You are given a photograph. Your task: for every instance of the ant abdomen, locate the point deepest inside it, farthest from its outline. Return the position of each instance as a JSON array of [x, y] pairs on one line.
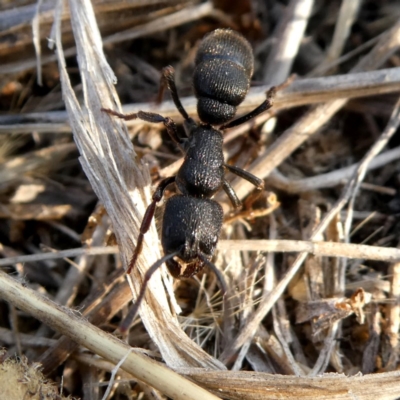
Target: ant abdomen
[[224, 67]]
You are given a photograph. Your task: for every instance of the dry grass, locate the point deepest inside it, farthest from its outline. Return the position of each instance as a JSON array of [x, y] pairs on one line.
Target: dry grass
[[312, 265]]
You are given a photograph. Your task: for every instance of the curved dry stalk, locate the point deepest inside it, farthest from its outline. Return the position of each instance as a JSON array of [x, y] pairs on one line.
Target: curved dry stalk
[[108, 159], [108, 346]]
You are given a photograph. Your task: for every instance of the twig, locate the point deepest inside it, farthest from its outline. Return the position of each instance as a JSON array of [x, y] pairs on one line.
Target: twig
[[327, 249], [114, 373], [300, 92], [347, 15], [330, 179], [160, 24], [378, 146], [253, 385], [393, 313], [280, 328], [288, 36], [59, 254], [180, 17]]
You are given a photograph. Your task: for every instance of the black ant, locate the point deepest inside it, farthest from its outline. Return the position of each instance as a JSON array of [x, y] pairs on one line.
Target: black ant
[[192, 221]]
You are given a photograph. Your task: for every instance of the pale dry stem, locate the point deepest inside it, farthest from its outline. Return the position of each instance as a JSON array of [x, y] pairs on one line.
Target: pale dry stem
[[347, 15], [318, 248], [108, 159], [300, 92], [288, 36]]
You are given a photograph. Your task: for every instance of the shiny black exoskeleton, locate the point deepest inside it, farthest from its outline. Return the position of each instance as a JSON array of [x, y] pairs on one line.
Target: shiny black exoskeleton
[[192, 220], [202, 171], [221, 80], [192, 225]]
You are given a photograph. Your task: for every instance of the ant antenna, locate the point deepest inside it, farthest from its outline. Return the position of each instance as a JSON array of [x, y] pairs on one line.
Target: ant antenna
[[127, 322]]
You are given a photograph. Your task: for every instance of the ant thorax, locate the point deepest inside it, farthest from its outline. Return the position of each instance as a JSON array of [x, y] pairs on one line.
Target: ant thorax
[[202, 171]]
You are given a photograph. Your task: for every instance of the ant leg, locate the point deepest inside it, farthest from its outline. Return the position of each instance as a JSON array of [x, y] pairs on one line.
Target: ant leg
[[126, 117], [126, 323], [168, 79], [228, 189], [224, 290], [264, 106], [257, 182], [153, 118], [148, 216]]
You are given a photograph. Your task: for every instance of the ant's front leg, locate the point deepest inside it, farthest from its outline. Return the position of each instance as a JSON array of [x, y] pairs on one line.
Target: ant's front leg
[[228, 189], [153, 118], [257, 182], [148, 216]]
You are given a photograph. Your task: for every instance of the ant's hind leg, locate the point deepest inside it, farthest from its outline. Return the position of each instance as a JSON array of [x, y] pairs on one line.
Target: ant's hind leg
[[168, 80], [148, 216], [264, 106]]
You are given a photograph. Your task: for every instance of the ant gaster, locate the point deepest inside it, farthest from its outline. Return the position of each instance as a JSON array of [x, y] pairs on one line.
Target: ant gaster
[[192, 221]]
